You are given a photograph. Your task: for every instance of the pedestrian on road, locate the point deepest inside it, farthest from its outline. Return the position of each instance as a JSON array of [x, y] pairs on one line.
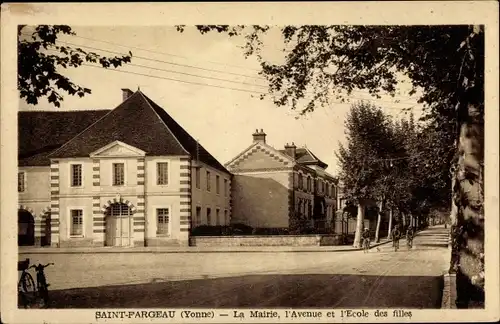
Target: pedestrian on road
[[396, 235], [409, 236], [366, 240]]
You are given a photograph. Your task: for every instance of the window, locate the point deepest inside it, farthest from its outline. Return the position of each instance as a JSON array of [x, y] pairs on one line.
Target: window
[[162, 173], [76, 175], [197, 178], [162, 221], [226, 189], [308, 183], [322, 186], [21, 181], [209, 216], [198, 215], [208, 180], [217, 219], [301, 181], [217, 184], [76, 228], [327, 189], [119, 210], [226, 217], [118, 174]]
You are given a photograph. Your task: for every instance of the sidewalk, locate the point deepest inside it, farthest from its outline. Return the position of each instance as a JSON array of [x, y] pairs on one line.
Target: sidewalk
[[193, 249]]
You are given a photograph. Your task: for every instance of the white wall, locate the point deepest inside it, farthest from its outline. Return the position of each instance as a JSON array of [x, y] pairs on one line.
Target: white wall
[[65, 205], [210, 199], [37, 189], [170, 202], [261, 199], [174, 171], [106, 175]]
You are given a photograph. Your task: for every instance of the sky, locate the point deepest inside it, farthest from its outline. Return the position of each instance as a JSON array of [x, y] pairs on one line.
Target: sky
[[194, 78]]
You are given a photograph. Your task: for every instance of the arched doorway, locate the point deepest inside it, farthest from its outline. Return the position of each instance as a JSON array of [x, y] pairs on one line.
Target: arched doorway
[[25, 228], [119, 229]]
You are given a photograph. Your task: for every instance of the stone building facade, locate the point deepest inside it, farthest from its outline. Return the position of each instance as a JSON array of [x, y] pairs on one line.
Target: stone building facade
[[273, 188], [130, 176]]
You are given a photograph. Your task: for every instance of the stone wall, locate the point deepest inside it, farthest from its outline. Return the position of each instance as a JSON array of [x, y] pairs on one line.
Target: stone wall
[[265, 240]]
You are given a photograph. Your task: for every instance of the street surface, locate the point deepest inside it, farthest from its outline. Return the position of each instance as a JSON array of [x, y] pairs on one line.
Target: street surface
[[380, 278]]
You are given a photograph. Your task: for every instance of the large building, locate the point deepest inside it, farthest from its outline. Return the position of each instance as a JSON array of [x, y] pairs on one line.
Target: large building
[[130, 176], [274, 188]]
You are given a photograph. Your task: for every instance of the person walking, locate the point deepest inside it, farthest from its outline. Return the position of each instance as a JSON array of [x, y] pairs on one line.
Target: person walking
[[396, 235], [366, 240], [409, 236]]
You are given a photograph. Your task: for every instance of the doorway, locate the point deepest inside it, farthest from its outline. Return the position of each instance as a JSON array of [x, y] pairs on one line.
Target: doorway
[[25, 228], [119, 225]]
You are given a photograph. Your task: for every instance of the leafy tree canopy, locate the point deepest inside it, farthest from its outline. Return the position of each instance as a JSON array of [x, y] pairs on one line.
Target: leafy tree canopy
[[360, 160], [40, 60], [335, 60]]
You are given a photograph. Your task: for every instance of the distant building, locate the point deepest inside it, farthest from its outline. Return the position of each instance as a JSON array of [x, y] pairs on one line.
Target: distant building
[[273, 188], [130, 176]]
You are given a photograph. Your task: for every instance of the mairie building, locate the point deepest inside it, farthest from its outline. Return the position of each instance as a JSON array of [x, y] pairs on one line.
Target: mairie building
[[130, 176]]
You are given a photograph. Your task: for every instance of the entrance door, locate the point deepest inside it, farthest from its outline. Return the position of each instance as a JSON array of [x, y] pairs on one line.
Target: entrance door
[[118, 223], [25, 228]]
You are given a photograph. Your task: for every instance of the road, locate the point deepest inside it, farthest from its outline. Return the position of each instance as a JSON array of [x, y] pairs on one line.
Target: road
[[380, 278]]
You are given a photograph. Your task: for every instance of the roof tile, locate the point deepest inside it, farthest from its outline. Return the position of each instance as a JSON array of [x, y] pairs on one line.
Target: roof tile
[[41, 132], [139, 122]]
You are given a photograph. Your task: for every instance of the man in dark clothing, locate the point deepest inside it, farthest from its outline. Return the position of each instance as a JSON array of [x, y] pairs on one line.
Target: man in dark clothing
[[366, 239], [396, 235], [409, 235]]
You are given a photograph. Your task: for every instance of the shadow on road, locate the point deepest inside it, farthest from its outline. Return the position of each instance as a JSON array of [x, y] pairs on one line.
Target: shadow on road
[[273, 291]]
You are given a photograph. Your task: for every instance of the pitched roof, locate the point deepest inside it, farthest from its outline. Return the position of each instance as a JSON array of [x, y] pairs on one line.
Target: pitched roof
[[41, 132], [139, 122], [187, 141], [306, 157], [259, 146]]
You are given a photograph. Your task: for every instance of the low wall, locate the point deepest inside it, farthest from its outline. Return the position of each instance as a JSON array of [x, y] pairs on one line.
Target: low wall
[[265, 240]]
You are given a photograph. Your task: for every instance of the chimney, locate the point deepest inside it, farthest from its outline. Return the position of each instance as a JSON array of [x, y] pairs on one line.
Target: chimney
[[126, 93], [259, 136], [291, 150]]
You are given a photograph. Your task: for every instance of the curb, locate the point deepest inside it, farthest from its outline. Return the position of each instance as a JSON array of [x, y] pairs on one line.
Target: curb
[[183, 250], [317, 249]]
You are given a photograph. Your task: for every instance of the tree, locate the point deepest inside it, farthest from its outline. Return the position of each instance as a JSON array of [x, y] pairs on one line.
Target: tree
[[445, 62], [40, 59], [359, 160]]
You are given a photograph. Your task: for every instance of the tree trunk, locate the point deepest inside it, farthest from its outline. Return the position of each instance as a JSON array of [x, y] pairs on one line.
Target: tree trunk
[[390, 224], [379, 219], [359, 224], [403, 219], [467, 181], [467, 213]]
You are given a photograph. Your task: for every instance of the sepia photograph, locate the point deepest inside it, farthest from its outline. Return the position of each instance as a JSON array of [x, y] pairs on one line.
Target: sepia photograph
[[292, 172]]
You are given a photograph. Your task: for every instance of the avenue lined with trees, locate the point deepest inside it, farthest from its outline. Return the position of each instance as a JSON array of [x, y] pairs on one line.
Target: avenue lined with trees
[[446, 63], [402, 164]]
